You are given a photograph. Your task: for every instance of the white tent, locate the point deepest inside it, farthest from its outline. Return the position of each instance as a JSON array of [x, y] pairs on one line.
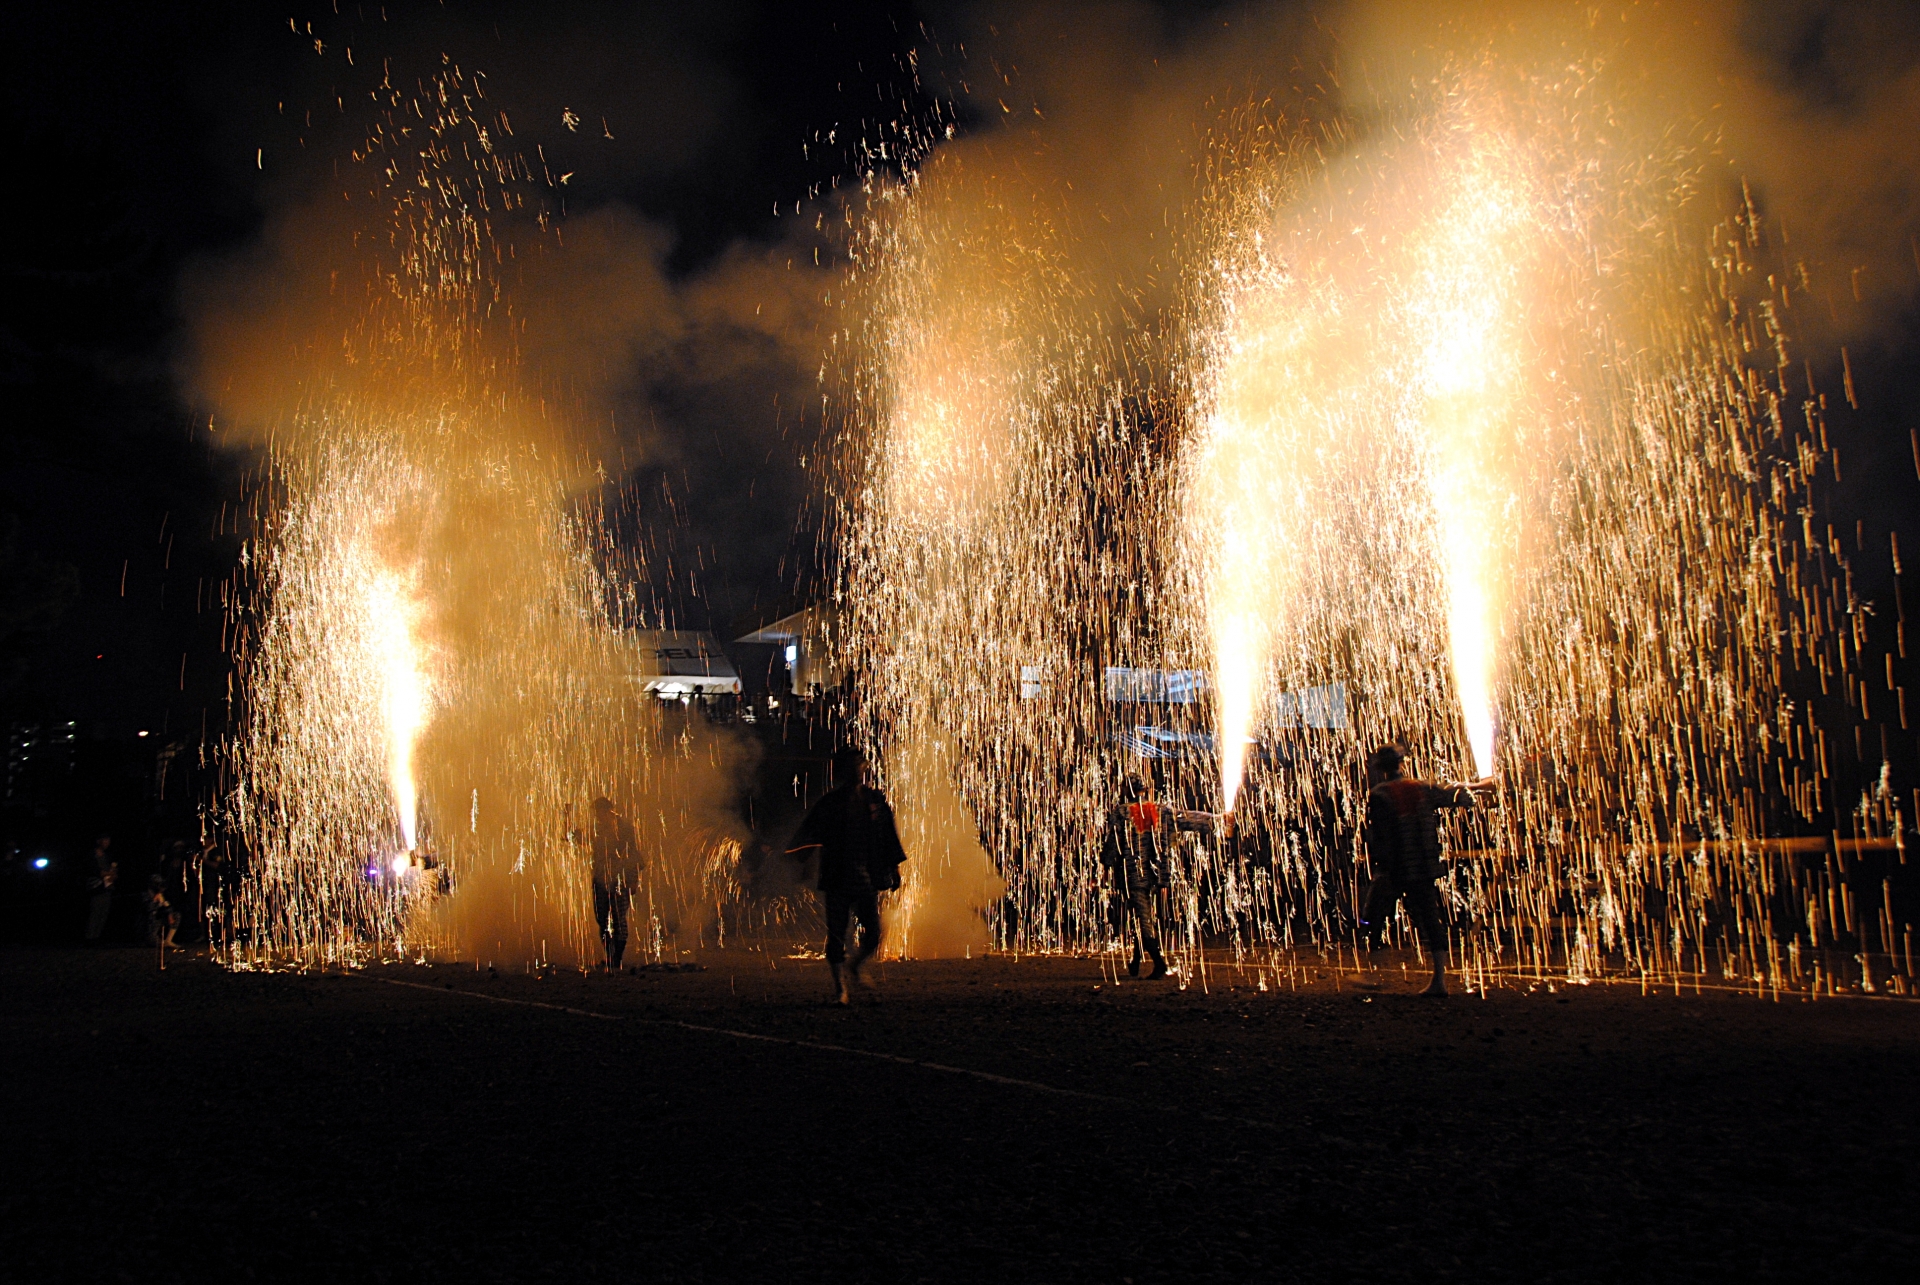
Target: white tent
[[677, 663]]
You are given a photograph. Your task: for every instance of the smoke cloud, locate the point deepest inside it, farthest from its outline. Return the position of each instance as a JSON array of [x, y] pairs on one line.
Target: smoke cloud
[[674, 383], [446, 395], [1810, 104], [695, 387], [949, 882]]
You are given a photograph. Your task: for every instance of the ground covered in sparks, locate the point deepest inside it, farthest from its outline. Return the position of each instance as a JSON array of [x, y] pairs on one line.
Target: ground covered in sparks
[[202, 1125]]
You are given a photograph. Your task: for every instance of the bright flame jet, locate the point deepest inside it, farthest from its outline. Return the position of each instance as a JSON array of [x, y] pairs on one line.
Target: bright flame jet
[[1463, 314], [1254, 483], [405, 695]]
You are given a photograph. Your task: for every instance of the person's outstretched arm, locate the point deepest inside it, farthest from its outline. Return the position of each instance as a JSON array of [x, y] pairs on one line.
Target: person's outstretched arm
[[1459, 796]]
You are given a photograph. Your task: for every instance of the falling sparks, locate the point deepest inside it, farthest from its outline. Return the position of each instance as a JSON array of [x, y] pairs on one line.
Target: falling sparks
[[1476, 440], [1479, 428], [428, 629]]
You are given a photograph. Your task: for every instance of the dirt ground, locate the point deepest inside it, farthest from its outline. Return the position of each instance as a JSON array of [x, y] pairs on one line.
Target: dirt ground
[[995, 1119]]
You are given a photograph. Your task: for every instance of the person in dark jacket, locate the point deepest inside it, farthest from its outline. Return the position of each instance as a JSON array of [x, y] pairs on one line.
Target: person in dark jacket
[[853, 830], [1403, 840], [616, 866]]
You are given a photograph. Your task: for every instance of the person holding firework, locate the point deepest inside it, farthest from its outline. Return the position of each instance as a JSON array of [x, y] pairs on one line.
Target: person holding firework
[[1403, 840]]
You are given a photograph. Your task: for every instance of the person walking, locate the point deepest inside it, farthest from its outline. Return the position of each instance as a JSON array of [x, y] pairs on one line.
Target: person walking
[[1403, 841], [852, 828], [616, 867], [106, 873]]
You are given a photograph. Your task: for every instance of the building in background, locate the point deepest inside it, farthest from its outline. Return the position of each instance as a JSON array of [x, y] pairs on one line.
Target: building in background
[[803, 639]]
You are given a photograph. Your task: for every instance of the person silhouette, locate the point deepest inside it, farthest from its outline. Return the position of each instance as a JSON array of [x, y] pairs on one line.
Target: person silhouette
[[1403, 840]]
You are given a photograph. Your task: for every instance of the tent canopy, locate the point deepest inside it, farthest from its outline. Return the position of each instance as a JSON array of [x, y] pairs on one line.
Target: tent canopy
[[684, 662]]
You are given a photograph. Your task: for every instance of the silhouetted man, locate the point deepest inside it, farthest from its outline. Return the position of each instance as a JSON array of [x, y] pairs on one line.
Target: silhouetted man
[[616, 863], [860, 858], [1403, 839], [163, 918], [106, 873], [1134, 858]]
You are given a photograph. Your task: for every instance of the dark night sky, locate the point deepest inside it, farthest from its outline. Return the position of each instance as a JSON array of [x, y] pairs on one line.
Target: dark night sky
[[150, 142]]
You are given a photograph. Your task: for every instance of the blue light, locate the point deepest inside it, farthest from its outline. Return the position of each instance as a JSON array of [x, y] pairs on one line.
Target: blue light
[[39, 863]]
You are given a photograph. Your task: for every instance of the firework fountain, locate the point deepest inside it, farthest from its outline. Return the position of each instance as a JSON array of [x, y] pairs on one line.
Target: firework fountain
[[1484, 414], [967, 411], [437, 683]]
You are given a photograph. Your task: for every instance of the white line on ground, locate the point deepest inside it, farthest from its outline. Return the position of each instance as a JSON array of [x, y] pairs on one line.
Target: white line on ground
[[819, 1046]]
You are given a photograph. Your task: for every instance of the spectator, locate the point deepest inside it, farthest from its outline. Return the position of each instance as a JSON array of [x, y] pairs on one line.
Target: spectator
[[616, 865], [106, 873], [163, 919]]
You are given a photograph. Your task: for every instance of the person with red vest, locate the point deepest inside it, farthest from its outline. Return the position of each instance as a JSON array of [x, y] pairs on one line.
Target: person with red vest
[[1403, 841], [1135, 853]]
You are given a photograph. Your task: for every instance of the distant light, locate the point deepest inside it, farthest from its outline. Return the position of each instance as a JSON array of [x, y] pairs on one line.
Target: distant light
[[141, 732], [793, 653], [400, 864], [39, 863]]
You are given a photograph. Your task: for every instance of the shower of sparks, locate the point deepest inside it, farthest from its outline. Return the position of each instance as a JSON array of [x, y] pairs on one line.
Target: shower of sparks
[[437, 681], [1463, 314], [1486, 414], [1478, 428], [968, 538]]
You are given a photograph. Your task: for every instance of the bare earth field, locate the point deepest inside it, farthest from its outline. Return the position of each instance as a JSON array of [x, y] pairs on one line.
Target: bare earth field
[[1026, 1120]]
